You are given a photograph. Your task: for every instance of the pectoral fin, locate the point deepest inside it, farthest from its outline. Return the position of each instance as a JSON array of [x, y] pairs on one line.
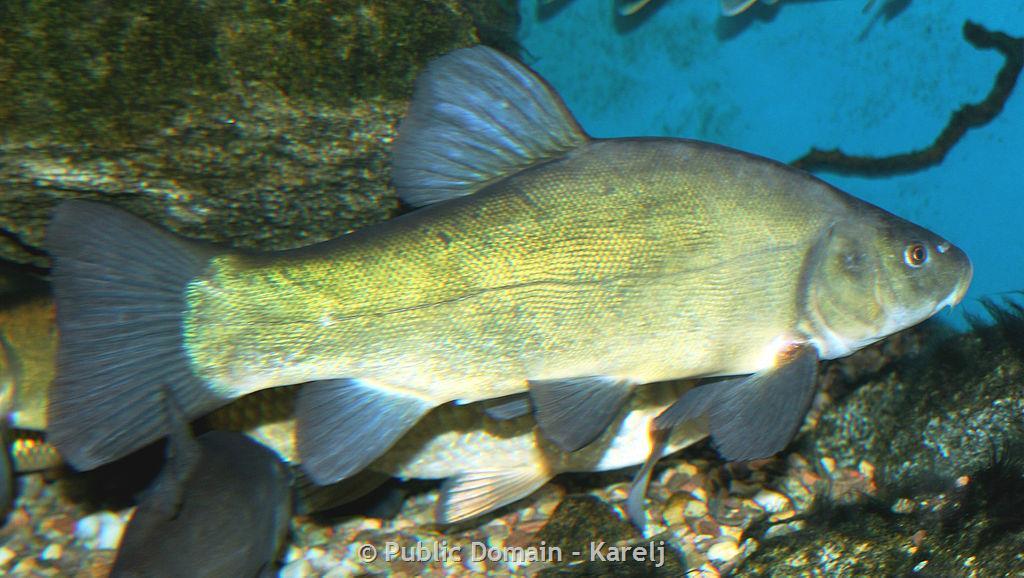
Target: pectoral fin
[[344, 424], [508, 407], [574, 412], [472, 494], [756, 416]]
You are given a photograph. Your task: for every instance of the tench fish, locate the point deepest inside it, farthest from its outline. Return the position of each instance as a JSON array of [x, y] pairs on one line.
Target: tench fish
[[488, 463], [547, 262]]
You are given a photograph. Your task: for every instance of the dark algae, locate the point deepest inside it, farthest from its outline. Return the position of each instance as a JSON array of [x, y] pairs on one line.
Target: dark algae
[[964, 119]]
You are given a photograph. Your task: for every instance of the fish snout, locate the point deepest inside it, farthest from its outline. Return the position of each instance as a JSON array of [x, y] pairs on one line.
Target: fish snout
[[960, 264]]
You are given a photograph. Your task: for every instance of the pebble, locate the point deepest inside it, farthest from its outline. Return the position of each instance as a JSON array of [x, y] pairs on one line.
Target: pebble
[[735, 532], [705, 571], [695, 509], [100, 531], [783, 529], [474, 565], [772, 502], [6, 555], [699, 493], [52, 552], [673, 514], [903, 506], [294, 553], [25, 566], [338, 572], [723, 551], [867, 469], [785, 515], [618, 493], [297, 569]]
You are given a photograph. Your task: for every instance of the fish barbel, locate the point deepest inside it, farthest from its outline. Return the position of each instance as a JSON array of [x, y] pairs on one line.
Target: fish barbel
[[547, 263]]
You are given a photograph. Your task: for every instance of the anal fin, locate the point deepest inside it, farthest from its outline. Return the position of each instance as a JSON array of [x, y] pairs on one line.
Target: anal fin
[[574, 412], [472, 494], [344, 424]]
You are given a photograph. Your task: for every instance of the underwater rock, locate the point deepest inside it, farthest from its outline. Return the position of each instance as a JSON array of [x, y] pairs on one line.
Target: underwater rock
[[262, 125]]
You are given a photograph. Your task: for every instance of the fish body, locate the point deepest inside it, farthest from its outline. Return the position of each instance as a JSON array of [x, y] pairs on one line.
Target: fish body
[[549, 263]]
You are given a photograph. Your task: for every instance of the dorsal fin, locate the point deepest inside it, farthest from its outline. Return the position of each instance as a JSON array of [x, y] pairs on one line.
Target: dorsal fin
[[477, 116]]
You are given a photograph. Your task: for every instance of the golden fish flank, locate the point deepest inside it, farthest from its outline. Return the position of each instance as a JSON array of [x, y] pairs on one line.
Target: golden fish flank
[[488, 463], [551, 263]]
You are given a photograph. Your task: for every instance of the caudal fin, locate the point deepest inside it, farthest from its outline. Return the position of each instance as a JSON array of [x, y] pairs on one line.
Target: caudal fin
[[119, 284]]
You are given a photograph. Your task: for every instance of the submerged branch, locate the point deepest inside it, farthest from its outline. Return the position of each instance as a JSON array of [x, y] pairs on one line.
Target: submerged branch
[[967, 117]]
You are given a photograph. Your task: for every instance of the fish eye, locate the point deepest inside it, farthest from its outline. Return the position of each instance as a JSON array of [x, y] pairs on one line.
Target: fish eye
[[915, 255]]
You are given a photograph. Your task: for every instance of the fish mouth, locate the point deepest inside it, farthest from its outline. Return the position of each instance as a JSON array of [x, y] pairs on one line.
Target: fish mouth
[[961, 289]]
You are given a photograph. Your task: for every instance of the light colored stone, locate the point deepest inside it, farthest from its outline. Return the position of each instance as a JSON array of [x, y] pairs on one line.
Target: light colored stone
[[6, 555], [772, 502], [695, 509], [297, 569], [903, 506], [101, 531], [52, 552], [723, 551]]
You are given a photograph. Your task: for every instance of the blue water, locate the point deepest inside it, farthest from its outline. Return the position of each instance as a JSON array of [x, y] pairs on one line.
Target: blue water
[[781, 79]]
